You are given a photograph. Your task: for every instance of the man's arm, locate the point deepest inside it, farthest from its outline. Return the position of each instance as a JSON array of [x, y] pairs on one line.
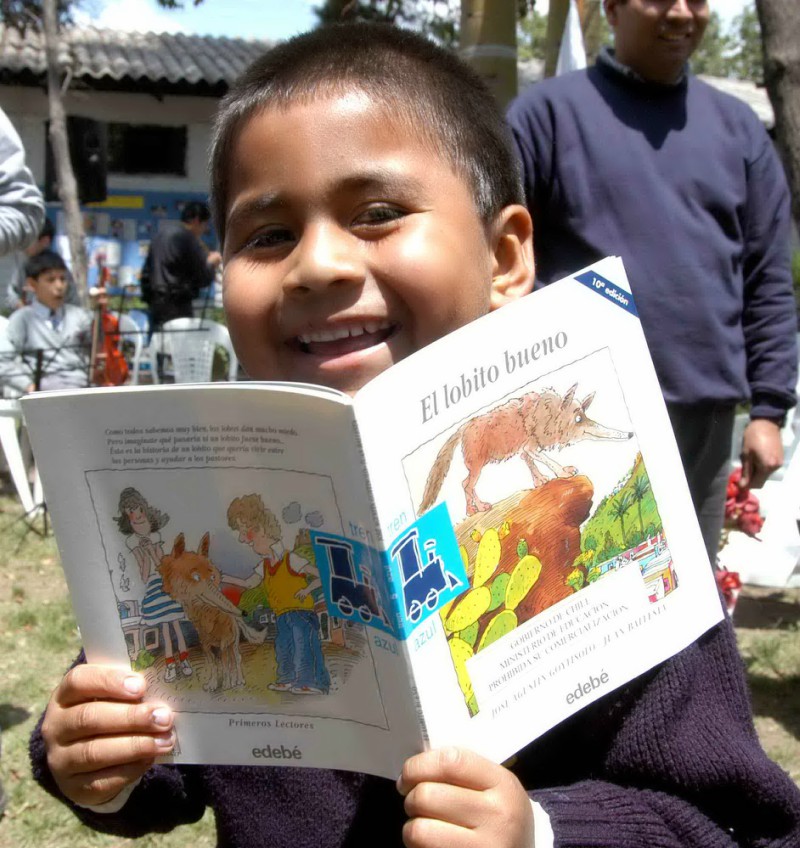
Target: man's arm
[[300, 565], [15, 374], [21, 202], [191, 262], [769, 315]]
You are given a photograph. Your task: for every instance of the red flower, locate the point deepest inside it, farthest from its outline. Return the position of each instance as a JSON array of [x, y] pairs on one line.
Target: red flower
[[729, 585], [742, 509]]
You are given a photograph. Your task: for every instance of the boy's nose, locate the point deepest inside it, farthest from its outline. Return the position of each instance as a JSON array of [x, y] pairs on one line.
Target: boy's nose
[[326, 254], [679, 9]]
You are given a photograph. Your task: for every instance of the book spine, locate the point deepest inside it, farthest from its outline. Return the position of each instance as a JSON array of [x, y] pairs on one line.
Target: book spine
[[362, 458], [423, 726], [397, 612]]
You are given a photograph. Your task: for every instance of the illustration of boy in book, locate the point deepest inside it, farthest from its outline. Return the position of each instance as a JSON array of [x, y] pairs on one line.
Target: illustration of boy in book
[[288, 581], [140, 523]]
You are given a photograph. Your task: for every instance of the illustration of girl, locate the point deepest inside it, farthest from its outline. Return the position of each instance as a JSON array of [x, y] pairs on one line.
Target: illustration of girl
[[139, 523]]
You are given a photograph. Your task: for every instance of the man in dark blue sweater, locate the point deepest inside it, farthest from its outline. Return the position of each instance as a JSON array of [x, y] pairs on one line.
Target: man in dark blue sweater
[[636, 157]]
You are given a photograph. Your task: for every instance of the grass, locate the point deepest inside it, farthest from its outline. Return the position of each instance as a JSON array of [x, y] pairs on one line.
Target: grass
[[38, 640], [767, 626]]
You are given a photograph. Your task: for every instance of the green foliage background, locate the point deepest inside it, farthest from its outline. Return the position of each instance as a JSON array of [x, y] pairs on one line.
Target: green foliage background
[[603, 532]]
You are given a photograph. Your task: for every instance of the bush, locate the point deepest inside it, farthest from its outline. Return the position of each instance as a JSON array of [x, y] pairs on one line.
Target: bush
[[144, 659]]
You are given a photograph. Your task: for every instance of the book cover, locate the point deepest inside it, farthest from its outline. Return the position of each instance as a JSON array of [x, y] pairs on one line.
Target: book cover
[[490, 535]]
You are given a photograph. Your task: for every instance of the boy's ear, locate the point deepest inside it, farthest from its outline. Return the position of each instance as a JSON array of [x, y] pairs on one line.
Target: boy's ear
[[512, 245], [610, 8]]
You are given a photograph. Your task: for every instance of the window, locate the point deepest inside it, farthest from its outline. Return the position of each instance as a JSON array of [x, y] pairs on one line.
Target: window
[[146, 149]]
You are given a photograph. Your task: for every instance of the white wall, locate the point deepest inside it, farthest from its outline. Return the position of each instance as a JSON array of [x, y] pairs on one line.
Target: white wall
[[27, 109]]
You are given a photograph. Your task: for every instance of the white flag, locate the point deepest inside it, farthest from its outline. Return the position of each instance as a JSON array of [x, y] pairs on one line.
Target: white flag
[[571, 54]]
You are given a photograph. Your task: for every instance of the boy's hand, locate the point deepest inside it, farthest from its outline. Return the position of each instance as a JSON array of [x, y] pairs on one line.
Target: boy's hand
[[459, 799], [99, 735]]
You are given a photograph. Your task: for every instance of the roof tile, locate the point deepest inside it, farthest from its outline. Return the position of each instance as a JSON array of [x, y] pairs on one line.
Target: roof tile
[[95, 53]]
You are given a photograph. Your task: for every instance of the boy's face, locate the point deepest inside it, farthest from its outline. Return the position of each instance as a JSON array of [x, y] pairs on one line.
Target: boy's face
[[349, 245], [50, 288], [256, 538]]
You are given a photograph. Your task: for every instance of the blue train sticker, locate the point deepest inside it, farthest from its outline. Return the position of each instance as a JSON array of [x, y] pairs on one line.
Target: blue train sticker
[[397, 589]]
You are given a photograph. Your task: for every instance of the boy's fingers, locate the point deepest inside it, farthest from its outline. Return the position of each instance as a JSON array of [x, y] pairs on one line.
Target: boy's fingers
[[108, 752], [107, 718], [84, 682], [94, 788], [425, 833], [453, 804], [456, 766]]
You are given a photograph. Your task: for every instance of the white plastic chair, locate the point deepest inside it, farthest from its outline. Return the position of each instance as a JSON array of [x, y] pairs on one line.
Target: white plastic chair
[[190, 343], [10, 425], [131, 333]]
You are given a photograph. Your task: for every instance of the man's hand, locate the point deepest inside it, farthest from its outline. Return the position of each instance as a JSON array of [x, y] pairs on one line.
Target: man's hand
[[762, 452], [457, 798]]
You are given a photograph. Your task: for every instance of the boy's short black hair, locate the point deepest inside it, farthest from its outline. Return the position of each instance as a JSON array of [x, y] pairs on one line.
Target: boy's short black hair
[[45, 260], [426, 86], [195, 210], [48, 230]]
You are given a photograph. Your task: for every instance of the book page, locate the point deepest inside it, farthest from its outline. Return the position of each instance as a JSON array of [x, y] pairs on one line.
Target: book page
[[543, 429], [184, 517]]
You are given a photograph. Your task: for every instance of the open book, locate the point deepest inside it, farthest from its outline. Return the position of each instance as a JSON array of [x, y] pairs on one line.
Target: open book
[[492, 534]]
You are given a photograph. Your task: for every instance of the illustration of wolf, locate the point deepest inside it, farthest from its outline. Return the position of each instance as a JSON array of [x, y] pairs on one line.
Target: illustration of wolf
[[527, 426], [193, 580]]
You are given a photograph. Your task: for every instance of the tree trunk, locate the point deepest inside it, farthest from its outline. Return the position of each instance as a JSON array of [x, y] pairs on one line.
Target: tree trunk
[[59, 140], [780, 34], [593, 29], [556, 21], [489, 44]]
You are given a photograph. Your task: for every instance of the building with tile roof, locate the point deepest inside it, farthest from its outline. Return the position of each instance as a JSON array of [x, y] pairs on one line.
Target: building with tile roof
[[156, 94]]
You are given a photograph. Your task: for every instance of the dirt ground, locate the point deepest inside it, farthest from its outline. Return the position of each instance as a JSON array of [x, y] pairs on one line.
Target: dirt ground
[[767, 622]]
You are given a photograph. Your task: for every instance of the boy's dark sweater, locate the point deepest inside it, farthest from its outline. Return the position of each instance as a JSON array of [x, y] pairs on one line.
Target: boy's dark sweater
[[669, 761], [682, 182]]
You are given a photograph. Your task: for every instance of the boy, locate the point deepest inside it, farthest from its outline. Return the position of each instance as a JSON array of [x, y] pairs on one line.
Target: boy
[[18, 293], [288, 580], [367, 201], [60, 330]]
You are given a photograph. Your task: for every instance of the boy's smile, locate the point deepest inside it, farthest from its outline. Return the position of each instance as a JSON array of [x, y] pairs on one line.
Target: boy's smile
[[350, 243]]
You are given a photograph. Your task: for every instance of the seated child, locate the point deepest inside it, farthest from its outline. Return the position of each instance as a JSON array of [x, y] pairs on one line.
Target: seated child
[[60, 330], [18, 294], [368, 203]]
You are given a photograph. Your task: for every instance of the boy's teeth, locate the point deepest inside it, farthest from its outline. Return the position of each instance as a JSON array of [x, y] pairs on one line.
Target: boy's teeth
[[336, 333]]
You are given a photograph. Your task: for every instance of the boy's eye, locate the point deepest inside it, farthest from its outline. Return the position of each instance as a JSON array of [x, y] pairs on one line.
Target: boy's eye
[[379, 214], [270, 239]]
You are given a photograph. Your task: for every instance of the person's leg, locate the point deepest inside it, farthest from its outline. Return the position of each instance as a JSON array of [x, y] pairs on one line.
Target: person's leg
[[322, 679], [303, 661], [284, 677], [183, 652], [703, 434], [171, 672], [310, 663]]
